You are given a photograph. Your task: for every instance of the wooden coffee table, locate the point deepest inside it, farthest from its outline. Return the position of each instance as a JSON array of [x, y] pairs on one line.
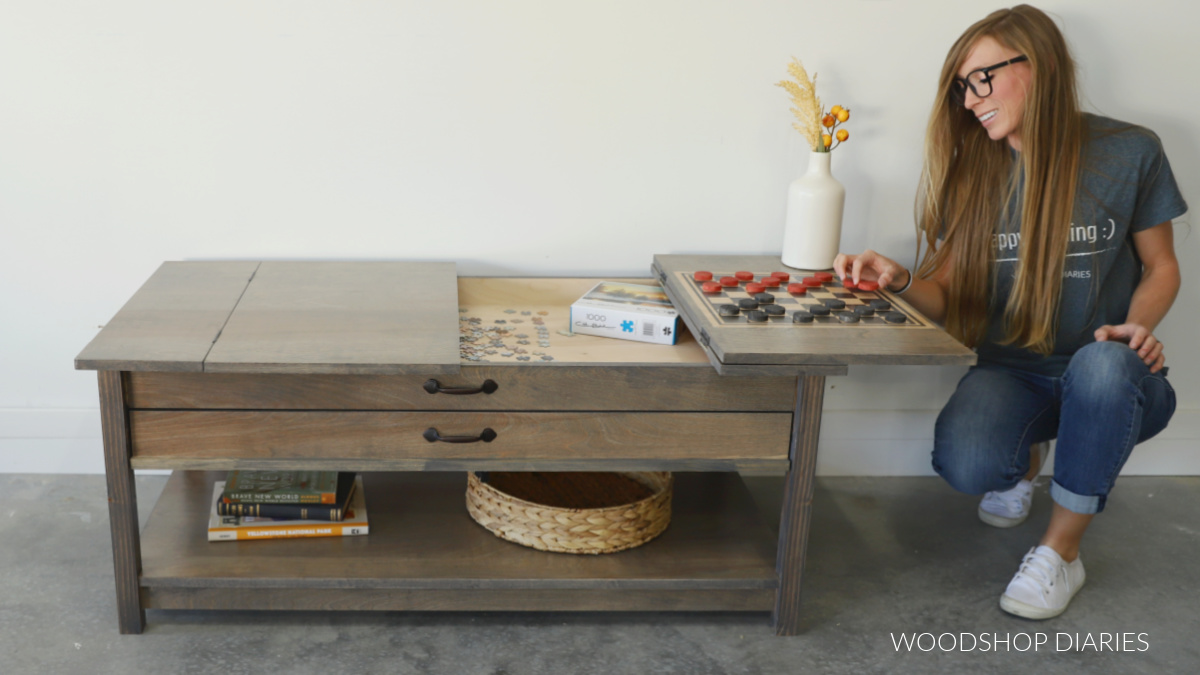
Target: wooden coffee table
[[214, 366]]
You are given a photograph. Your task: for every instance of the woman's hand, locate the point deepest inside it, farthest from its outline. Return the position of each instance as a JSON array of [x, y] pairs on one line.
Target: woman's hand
[[1139, 338], [870, 266]]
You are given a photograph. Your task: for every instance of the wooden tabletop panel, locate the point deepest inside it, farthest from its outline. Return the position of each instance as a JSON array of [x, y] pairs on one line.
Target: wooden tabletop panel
[[343, 318], [916, 343], [387, 318], [153, 332]]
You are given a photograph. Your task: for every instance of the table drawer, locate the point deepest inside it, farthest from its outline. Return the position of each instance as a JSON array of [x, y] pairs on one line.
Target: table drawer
[[678, 388], [197, 438]]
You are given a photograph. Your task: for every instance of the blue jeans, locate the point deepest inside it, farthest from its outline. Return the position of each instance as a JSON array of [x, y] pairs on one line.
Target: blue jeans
[[1105, 403]]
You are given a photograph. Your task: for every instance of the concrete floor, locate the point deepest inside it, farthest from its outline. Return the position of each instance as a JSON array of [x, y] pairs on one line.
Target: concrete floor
[[888, 556]]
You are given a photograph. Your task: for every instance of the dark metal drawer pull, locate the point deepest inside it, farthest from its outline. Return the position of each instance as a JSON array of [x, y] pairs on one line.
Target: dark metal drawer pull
[[432, 435], [435, 387]]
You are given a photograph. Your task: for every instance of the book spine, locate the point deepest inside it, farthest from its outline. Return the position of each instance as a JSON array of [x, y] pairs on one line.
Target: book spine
[[288, 532], [278, 498], [281, 511]]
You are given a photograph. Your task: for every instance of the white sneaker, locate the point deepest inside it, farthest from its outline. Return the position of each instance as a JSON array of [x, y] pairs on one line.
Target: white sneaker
[[1044, 585], [1008, 508]]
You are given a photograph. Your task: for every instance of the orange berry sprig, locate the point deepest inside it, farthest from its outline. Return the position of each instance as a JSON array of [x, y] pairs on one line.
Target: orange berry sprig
[[836, 116]]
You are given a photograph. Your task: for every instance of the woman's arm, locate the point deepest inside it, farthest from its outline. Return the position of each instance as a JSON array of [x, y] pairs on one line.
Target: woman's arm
[[927, 296], [1153, 296]]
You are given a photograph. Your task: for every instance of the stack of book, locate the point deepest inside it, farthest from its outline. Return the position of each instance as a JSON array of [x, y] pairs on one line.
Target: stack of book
[[287, 504]]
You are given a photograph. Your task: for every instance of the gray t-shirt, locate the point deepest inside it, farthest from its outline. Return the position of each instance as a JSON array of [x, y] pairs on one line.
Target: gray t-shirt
[[1126, 186]]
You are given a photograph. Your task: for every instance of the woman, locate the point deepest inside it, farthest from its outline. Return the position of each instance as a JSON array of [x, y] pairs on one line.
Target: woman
[[1049, 249]]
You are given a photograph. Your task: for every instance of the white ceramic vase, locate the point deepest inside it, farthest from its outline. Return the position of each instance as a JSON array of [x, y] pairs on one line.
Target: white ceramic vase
[[813, 231]]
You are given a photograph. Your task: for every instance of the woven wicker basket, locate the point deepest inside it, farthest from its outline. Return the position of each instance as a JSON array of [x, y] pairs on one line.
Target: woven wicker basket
[[548, 527]]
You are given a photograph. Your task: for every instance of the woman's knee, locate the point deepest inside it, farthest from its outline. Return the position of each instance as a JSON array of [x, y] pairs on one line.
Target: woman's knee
[[967, 462], [1107, 361], [981, 429], [1105, 381], [961, 476], [1101, 369]]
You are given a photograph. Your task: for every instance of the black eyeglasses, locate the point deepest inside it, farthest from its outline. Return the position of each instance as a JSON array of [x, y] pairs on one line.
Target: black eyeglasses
[[979, 80]]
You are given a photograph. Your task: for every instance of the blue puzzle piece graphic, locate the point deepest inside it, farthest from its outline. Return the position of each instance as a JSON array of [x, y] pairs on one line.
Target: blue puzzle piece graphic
[[627, 326]]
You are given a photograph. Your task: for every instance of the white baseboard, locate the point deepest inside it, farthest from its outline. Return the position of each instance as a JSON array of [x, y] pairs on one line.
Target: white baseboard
[[853, 443]]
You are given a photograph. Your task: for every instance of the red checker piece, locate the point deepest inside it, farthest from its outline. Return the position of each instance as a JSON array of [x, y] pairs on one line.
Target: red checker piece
[[744, 276], [755, 288], [797, 289], [702, 276], [868, 285], [710, 287], [823, 277], [729, 281], [848, 284], [771, 282], [783, 277], [811, 282]]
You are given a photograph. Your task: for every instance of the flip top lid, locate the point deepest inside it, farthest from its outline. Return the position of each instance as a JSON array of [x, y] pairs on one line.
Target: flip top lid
[[171, 322], [287, 317], [737, 344]]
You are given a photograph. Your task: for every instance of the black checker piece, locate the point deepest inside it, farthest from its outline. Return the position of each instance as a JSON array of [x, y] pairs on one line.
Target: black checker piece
[[818, 310], [864, 310], [848, 317], [802, 317], [881, 305], [727, 310], [774, 310], [833, 303], [764, 298], [748, 303], [894, 317], [755, 316]]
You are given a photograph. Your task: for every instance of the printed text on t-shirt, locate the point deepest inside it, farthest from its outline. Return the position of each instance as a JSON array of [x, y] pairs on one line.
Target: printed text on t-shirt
[[1010, 241]]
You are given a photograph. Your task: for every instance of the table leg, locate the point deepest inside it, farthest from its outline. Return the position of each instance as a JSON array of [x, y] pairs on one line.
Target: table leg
[[797, 503], [122, 502]]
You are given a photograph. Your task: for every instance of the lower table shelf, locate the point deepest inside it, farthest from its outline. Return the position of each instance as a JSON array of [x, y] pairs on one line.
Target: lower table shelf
[[425, 553]]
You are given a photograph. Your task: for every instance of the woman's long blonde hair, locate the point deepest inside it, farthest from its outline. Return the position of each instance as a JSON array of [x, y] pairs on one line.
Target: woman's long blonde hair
[[969, 181]]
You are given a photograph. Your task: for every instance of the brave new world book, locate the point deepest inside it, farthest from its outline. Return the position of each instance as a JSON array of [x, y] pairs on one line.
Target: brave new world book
[[235, 528], [281, 487], [334, 510]]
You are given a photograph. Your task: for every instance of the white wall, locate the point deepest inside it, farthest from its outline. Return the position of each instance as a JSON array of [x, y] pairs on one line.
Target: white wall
[[526, 137]]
